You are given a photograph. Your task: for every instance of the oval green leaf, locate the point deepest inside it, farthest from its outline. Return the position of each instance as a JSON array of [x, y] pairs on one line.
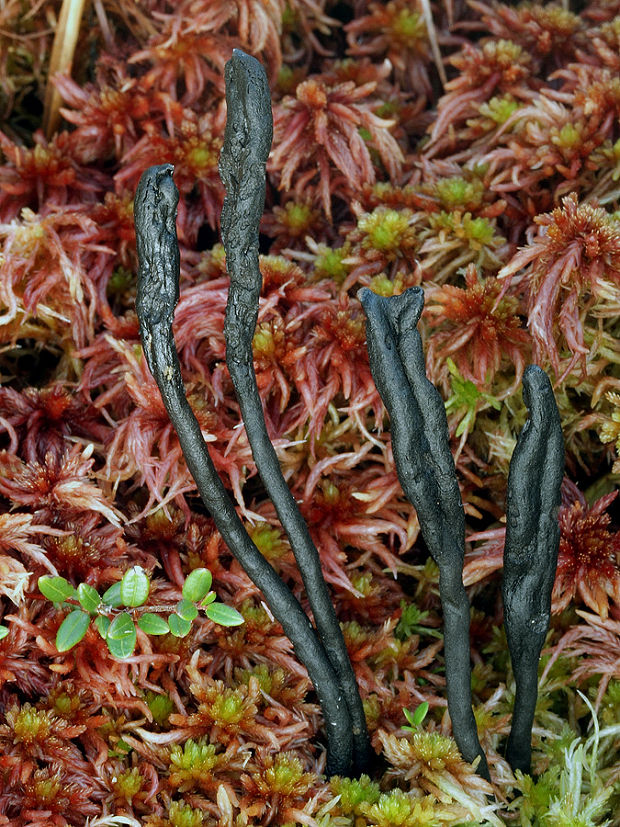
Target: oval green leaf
[[197, 584], [102, 624], [112, 596], [56, 589], [153, 624], [224, 615], [135, 587], [4, 630], [123, 647], [178, 626], [209, 598], [186, 610], [88, 597], [420, 714], [121, 627], [72, 630]]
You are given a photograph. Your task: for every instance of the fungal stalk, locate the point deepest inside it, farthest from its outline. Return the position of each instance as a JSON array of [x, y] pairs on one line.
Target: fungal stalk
[[158, 292], [426, 471], [531, 551], [247, 141]]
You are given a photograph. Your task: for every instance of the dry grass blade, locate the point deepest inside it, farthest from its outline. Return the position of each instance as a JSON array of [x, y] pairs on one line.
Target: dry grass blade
[[65, 41], [432, 36]]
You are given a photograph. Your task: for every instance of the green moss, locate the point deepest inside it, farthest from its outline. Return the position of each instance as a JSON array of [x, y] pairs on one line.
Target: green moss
[[499, 109], [270, 541], [568, 137], [400, 809], [161, 706], [266, 678], [120, 280], [385, 228], [128, 784], [363, 583], [329, 263], [256, 615], [229, 707], [31, 725], [353, 792], [458, 192], [285, 774], [190, 763], [382, 285], [409, 27], [182, 815], [412, 623]]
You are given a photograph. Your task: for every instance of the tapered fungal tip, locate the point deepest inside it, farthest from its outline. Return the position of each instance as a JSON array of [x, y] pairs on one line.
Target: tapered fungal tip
[[536, 386], [407, 307], [240, 60], [157, 174], [155, 190], [364, 295], [412, 297]]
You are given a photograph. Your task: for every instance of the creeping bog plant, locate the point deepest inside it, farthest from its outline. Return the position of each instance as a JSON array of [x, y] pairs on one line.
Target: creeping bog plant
[[124, 606]]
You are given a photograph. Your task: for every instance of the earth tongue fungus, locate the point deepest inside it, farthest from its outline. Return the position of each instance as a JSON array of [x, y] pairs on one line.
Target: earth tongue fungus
[[421, 449], [246, 147], [427, 474]]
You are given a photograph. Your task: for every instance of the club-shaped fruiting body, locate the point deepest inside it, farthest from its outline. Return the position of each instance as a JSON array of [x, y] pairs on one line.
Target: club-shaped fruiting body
[[242, 166], [531, 551], [427, 474]]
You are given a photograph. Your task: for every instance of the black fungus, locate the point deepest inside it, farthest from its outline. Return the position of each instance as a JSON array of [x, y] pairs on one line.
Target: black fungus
[[247, 142], [531, 551], [426, 471], [158, 291]]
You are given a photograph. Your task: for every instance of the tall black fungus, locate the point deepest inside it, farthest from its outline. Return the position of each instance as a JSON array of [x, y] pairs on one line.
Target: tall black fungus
[[247, 142], [420, 442], [531, 551], [158, 291], [427, 474]]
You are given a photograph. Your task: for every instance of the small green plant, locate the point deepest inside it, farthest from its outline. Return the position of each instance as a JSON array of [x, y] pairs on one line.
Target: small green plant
[[467, 398], [411, 623], [416, 718], [121, 608]]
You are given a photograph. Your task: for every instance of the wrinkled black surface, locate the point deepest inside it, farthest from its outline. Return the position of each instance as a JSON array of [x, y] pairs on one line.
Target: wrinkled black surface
[[531, 551], [427, 474], [158, 291], [155, 209], [242, 167]]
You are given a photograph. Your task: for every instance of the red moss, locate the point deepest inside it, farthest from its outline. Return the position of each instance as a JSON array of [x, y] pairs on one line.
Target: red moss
[[589, 559], [319, 129], [475, 330], [395, 31], [41, 420], [58, 485], [589, 556], [45, 176], [497, 67], [370, 182], [550, 33], [570, 267], [193, 147]]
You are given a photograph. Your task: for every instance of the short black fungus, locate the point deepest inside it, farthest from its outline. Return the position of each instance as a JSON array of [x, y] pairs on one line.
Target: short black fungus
[[426, 471], [531, 551]]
